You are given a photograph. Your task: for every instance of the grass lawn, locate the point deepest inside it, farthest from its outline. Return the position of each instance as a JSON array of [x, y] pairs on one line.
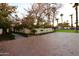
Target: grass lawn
[[71, 31]]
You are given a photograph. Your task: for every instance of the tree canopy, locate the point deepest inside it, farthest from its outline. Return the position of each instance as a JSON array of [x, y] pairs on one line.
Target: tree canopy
[[5, 11]]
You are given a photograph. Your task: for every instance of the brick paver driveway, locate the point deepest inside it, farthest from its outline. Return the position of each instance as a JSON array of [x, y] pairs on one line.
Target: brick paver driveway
[[43, 45]]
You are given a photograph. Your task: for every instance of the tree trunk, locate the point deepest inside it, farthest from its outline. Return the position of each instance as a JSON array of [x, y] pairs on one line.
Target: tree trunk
[[76, 18], [62, 19], [71, 21], [10, 30], [4, 31], [53, 18], [57, 22]]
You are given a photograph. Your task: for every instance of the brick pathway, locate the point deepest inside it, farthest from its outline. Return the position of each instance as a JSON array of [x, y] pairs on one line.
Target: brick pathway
[[53, 44]]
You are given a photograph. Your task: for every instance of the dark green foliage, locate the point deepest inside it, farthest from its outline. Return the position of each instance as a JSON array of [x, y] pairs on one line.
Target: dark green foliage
[[7, 37], [37, 26], [33, 31], [18, 27], [41, 30], [5, 22]]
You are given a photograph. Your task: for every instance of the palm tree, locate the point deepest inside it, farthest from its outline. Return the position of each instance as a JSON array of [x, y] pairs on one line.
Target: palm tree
[[54, 12], [76, 9], [71, 20], [61, 17], [57, 21]]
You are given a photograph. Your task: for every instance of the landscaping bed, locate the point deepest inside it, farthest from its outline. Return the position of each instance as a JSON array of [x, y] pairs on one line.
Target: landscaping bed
[[43, 30], [44, 33], [23, 34]]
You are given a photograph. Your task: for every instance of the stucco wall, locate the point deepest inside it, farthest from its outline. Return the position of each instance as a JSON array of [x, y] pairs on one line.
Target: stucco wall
[[43, 30], [0, 31], [38, 30]]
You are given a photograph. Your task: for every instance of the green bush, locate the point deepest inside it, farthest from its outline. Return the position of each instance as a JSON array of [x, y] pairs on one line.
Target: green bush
[[41, 30], [33, 31], [11, 36], [7, 37]]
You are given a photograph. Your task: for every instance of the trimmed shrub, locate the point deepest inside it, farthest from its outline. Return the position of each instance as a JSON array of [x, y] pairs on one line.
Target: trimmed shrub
[[33, 31], [41, 30]]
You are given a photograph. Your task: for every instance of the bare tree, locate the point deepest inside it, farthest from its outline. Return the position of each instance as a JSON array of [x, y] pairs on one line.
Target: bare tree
[[52, 10], [43, 11]]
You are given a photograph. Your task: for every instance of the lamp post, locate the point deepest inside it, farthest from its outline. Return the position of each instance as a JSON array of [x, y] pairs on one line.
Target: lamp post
[[61, 18], [71, 20]]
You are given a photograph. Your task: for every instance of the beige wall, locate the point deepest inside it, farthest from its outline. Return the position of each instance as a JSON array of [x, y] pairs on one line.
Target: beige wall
[[0, 31], [45, 30]]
